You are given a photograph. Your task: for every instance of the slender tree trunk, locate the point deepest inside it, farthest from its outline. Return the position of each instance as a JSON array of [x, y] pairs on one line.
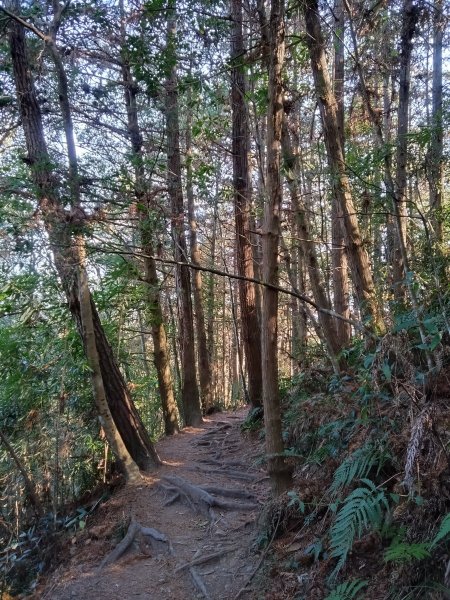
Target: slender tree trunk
[[280, 472], [189, 393], [358, 258], [251, 332], [161, 355], [410, 16], [339, 262], [204, 362], [28, 482], [436, 165], [327, 322]]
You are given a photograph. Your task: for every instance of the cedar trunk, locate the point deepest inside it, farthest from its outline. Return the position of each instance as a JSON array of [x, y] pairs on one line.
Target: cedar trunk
[[161, 355], [358, 258], [251, 331], [280, 472], [189, 392]]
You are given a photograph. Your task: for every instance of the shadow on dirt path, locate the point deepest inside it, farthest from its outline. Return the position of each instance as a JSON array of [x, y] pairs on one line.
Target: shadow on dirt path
[[201, 506]]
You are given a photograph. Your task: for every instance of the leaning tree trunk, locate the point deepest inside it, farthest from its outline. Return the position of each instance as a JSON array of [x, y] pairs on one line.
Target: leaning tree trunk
[[358, 258], [290, 156], [280, 472], [58, 223], [251, 331], [93, 359], [161, 355], [189, 393]]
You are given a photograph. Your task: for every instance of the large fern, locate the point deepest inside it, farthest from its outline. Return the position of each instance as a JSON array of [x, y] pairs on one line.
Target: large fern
[[347, 590], [355, 466], [401, 551], [361, 510], [443, 532]]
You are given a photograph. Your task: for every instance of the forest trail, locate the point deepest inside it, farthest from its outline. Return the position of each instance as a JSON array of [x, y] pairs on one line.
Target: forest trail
[[207, 552]]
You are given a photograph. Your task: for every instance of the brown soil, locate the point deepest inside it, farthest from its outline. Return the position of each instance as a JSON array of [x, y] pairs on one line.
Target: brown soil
[[215, 454]]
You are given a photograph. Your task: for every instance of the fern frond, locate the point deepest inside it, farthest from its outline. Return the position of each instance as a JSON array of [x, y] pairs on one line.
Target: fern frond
[[362, 509], [347, 590], [355, 466], [443, 532], [403, 552]]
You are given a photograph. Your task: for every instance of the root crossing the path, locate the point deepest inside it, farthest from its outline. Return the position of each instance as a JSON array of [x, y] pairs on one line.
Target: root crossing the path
[[187, 531]]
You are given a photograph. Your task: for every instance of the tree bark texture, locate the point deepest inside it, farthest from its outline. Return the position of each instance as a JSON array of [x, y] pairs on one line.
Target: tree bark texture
[[436, 165], [90, 344], [339, 261], [189, 393], [280, 472], [358, 258], [251, 331], [410, 17]]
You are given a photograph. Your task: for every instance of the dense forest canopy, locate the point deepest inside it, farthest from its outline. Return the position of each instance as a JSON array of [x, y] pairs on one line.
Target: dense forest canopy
[[202, 203]]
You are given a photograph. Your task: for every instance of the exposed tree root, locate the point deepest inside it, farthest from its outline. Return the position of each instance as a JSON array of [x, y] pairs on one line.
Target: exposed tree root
[[136, 532], [199, 499], [198, 582], [203, 559], [228, 492]]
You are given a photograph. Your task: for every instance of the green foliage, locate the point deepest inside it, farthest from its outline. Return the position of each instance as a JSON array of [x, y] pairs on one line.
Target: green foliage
[[443, 532], [400, 551], [347, 590], [361, 510], [355, 466], [403, 552]]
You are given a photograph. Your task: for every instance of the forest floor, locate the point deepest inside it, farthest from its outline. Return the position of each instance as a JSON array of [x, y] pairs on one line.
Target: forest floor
[[203, 503]]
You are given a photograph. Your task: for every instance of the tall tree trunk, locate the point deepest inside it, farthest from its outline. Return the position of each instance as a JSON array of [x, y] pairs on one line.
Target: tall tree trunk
[[204, 362], [339, 262], [358, 258], [58, 224], [189, 393], [436, 165], [410, 16], [161, 354], [251, 332], [280, 472], [290, 156]]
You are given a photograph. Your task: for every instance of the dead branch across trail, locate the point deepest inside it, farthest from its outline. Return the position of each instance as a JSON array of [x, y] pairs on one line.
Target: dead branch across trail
[[199, 499]]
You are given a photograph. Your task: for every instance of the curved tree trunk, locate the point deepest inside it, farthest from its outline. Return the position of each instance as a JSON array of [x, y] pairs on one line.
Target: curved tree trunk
[[58, 224]]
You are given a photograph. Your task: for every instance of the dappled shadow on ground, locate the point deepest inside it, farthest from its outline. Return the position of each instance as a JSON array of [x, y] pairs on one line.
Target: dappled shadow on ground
[[203, 504]]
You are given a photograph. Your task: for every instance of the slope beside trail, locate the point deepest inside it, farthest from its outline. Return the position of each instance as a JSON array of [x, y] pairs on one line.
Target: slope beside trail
[[202, 506]]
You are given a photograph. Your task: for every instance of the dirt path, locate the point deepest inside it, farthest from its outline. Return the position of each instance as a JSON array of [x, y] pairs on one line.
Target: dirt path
[[208, 531]]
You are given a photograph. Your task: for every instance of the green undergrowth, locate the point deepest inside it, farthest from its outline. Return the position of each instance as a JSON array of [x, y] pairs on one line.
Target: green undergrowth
[[369, 514]]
